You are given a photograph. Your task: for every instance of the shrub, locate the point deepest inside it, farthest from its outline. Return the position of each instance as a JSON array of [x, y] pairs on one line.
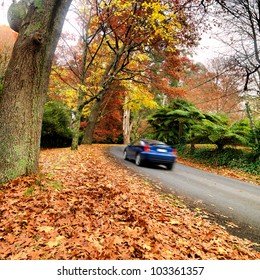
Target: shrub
[[55, 127], [238, 159]]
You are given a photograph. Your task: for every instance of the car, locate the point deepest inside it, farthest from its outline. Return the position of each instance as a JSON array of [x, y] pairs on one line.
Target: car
[[144, 151]]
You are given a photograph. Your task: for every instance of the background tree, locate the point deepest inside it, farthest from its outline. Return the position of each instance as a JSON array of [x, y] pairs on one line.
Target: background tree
[[136, 28], [137, 98], [181, 122], [167, 73], [109, 125], [25, 88], [83, 60], [113, 44], [174, 123], [216, 88], [240, 22], [216, 129]]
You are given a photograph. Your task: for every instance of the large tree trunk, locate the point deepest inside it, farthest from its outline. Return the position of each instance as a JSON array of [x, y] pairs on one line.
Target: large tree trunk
[[25, 88]]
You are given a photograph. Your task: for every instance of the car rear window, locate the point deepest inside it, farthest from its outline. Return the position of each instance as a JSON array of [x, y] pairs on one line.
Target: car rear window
[[155, 143]]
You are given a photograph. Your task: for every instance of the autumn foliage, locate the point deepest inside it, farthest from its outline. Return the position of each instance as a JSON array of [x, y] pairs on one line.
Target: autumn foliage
[[109, 126], [84, 205], [212, 91], [7, 39]]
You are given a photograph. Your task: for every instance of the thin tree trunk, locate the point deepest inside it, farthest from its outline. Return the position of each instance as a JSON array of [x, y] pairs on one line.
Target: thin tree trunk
[[76, 124], [92, 121], [126, 126], [75, 131], [251, 120], [25, 88]]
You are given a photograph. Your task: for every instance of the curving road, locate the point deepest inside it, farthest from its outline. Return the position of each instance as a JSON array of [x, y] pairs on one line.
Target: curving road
[[229, 201]]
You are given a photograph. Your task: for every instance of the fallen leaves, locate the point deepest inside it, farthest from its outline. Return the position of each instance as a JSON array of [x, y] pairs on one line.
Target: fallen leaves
[[86, 206]]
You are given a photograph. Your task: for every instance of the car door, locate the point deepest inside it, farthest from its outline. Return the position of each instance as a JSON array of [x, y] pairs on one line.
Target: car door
[[133, 149]]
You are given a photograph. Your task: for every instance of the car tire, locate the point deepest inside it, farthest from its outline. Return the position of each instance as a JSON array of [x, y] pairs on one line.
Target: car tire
[[169, 166], [138, 160], [125, 155]]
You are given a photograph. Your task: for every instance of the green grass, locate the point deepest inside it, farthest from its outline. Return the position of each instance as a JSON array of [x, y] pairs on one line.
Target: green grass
[[29, 191]]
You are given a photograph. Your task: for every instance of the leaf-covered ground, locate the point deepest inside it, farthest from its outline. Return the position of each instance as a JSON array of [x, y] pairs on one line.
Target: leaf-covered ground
[[86, 206]]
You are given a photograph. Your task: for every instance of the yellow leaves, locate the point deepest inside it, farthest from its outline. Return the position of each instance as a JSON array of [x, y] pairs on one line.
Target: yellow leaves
[[70, 98], [82, 87], [56, 241], [221, 251], [138, 96], [151, 20], [163, 21], [141, 57], [147, 247], [121, 5], [133, 232], [46, 229], [174, 222], [157, 14], [95, 242]]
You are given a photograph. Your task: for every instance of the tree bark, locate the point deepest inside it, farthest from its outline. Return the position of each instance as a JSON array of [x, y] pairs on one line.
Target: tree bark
[[25, 88], [126, 125], [75, 131], [77, 121], [251, 120], [92, 121]]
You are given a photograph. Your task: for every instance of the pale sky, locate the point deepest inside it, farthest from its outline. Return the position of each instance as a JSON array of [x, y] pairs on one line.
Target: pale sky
[[209, 48], [4, 5]]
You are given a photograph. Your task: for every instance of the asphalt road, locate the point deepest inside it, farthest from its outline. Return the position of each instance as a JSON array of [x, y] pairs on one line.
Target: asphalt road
[[232, 203]]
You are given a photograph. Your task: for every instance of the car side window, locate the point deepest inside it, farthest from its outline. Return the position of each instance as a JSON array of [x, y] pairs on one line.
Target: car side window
[[138, 143]]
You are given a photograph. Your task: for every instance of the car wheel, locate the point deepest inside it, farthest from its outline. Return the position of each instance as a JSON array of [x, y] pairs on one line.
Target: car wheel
[[125, 155], [169, 166], [138, 160]]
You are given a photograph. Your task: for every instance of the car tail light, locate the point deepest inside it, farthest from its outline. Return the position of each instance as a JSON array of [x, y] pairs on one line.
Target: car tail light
[[147, 148], [174, 152]]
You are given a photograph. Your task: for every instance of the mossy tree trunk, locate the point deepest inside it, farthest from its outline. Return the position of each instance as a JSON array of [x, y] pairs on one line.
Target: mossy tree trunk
[[75, 131], [77, 121], [25, 88]]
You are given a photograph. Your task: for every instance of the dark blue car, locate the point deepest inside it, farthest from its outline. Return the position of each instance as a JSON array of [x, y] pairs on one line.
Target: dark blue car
[[145, 151]]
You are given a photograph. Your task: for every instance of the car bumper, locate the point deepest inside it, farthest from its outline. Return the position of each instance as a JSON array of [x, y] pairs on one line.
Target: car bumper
[[158, 158]]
